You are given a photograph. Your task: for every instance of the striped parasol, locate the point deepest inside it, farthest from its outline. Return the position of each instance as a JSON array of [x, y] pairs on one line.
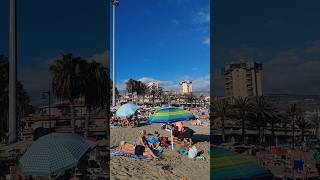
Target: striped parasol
[[229, 165], [53, 153], [169, 115]]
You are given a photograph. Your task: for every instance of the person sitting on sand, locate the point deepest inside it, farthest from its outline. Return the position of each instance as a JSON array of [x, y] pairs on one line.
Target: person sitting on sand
[[182, 135], [140, 148], [155, 140]]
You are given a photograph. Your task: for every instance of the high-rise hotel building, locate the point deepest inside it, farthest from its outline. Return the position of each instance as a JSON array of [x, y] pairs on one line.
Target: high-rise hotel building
[[242, 79], [185, 87]]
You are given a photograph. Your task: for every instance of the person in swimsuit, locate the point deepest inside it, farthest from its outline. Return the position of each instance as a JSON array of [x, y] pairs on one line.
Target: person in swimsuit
[[297, 160], [140, 148]]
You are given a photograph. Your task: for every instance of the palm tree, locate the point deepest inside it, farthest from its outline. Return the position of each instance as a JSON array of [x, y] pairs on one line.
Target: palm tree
[[190, 97], [285, 120], [153, 91], [4, 101], [262, 111], [315, 121], [292, 113], [131, 85], [66, 81], [303, 124], [142, 90], [23, 100], [202, 99], [243, 107], [220, 111], [94, 88], [273, 120]]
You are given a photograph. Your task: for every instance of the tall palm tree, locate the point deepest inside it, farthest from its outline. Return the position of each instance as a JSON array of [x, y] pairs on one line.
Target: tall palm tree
[[220, 111], [315, 121], [160, 95], [243, 107], [23, 100], [142, 90], [153, 91], [262, 111], [131, 86], [292, 113], [94, 88], [273, 120], [67, 81], [190, 97], [202, 99], [285, 121], [303, 124]]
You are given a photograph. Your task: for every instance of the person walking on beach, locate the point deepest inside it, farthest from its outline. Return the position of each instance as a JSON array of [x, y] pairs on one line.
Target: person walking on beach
[[316, 156], [297, 157]]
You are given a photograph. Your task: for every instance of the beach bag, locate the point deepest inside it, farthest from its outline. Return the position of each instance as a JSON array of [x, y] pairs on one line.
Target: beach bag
[[192, 152]]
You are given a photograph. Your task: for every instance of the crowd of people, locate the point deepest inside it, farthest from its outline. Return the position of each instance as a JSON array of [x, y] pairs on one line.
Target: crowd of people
[[150, 145]]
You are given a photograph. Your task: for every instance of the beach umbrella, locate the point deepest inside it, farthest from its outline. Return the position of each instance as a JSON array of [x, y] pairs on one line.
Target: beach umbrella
[[53, 153], [226, 165], [170, 115], [127, 110]]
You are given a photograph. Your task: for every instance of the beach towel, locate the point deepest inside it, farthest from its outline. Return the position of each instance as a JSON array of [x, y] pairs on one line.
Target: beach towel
[[139, 157]]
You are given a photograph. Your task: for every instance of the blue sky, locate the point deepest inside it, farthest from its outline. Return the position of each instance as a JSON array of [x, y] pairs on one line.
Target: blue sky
[[46, 29], [165, 40], [162, 39], [283, 35]]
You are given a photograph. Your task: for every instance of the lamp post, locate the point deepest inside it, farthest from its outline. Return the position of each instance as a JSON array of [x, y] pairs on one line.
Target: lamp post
[[114, 4], [12, 74], [49, 105]]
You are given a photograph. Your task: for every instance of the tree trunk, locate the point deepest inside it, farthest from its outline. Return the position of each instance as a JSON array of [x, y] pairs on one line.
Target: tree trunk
[[153, 100], [272, 132], [223, 133], [87, 122], [243, 130], [293, 132], [73, 116], [260, 138], [302, 134]]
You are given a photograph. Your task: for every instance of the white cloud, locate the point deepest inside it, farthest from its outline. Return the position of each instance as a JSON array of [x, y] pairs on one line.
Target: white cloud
[[201, 16], [201, 83], [198, 83], [206, 41]]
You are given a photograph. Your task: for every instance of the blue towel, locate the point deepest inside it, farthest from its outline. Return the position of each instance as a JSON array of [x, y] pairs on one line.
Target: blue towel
[[139, 157]]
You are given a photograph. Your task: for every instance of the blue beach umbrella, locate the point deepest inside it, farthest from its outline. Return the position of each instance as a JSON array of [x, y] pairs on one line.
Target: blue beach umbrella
[[126, 110], [170, 115], [53, 153]]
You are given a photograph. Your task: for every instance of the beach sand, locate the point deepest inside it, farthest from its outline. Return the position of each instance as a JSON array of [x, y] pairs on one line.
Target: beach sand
[[129, 168]]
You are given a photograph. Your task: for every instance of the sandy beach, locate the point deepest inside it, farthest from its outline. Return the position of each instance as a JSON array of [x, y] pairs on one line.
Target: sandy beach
[[129, 168]]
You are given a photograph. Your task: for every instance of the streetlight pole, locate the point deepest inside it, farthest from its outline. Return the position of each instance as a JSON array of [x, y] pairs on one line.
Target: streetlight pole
[[12, 74], [114, 4]]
